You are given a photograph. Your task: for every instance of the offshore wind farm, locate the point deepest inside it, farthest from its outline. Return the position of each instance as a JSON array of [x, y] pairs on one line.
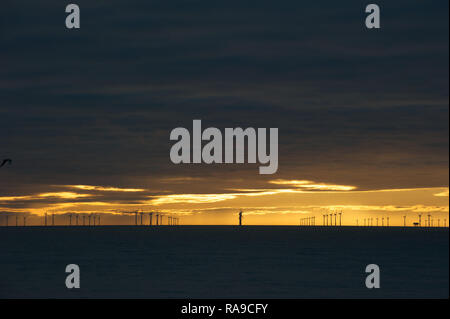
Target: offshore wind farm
[[222, 149]]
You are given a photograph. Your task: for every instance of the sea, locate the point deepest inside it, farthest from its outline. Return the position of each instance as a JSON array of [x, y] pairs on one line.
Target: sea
[[276, 262]]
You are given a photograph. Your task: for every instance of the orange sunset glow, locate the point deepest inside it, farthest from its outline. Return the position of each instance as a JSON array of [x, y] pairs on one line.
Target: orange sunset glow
[[284, 204]]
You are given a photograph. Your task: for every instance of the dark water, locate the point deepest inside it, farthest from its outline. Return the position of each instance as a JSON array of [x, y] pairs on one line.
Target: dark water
[[223, 262]]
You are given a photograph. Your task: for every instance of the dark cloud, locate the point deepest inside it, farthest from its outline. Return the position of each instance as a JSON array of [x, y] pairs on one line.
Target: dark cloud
[[96, 105]]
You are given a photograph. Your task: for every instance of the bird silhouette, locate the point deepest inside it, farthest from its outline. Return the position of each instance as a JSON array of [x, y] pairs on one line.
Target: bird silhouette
[[7, 160]]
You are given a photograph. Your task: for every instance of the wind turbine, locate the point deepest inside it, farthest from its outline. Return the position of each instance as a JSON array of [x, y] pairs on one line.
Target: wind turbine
[[340, 218], [150, 218], [420, 220], [70, 219], [135, 217], [404, 221]]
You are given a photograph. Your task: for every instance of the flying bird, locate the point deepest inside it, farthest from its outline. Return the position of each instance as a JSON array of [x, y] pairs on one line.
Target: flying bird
[[9, 161]]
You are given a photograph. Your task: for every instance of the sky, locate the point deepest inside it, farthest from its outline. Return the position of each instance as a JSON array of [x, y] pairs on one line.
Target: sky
[[86, 114]]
